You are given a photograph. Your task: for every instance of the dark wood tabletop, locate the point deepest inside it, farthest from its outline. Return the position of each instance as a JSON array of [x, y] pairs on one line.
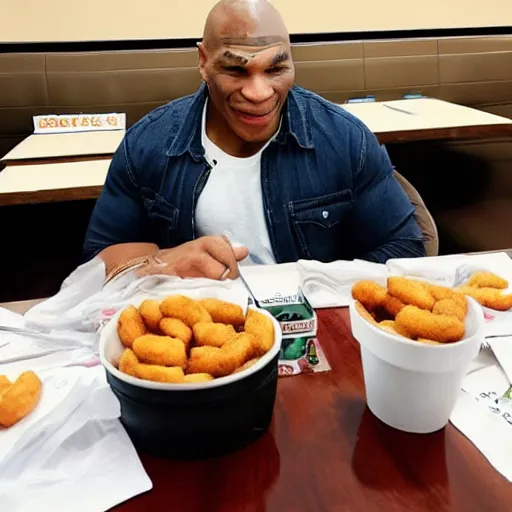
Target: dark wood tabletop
[[327, 452]]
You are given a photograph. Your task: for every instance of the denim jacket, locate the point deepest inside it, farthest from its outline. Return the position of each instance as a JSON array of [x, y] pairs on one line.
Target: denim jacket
[[327, 185]]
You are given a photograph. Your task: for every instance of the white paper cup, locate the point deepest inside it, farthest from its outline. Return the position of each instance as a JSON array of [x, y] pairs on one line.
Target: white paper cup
[[413, 386]]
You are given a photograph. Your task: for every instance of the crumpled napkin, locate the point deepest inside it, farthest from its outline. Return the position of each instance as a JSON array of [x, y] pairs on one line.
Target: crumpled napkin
[[71, 452], [84, 304], [74, 316], [329, 285]]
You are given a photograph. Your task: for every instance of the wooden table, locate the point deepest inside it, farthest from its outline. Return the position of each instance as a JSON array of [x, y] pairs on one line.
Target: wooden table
[[64, 147], [46, 168], [45, 183], [427, 119], [327, 452]]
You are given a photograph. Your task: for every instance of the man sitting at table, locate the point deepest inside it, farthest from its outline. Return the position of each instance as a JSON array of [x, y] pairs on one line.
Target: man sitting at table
[[249, 159]]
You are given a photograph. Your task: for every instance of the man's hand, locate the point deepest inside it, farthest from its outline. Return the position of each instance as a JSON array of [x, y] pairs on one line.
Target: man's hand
[[212, 257]]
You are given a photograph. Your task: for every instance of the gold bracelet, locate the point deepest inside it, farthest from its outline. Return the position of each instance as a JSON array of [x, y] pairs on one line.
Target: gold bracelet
[[127, 265]]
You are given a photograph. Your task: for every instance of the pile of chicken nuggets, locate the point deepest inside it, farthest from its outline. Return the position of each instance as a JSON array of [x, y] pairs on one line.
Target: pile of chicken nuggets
[[182, 340], [424, 312], [18, 398]]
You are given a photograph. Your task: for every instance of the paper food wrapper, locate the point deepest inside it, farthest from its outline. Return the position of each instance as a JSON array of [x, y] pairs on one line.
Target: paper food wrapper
[[303, 354], [483, 414], [277, 289]]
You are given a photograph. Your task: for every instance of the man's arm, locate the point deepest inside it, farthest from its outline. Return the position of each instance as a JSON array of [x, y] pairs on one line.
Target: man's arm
[[118, 233], [118, 230], [383, 218]]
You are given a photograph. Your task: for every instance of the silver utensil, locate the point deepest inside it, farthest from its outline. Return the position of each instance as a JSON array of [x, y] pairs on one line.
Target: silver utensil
[[251, 296], [396, 109], [24, 331]]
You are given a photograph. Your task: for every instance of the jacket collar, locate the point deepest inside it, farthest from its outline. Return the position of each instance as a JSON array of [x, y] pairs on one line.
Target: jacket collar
[[294, 124]]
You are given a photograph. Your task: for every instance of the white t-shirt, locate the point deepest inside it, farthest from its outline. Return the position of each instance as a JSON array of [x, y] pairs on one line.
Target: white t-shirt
[[231, 202]]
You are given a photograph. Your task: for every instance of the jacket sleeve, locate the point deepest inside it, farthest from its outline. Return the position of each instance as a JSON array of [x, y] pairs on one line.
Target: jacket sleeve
[[119, 215], [383, 219]]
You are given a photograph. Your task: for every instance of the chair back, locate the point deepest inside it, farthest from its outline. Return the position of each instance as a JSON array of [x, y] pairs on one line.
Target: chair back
[[423, 216]]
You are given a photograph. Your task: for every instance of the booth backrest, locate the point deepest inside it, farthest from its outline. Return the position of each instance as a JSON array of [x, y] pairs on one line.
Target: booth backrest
[[470, 71]]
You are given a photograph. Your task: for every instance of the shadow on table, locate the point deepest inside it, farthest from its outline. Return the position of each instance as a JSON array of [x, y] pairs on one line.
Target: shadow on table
[[240, 481], [384, 457]]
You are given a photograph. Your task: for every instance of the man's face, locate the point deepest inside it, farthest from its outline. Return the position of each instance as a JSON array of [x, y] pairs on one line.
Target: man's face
[[249, 80]]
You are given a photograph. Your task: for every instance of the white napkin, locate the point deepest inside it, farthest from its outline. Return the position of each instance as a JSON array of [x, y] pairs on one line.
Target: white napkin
[[502, 349], [266, 281], [85, 304], [75, 315], [484, 416], [71, 452], [328, 285]]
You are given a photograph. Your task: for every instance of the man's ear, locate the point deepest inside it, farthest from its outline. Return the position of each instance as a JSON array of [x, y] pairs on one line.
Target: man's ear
[[203, 57]]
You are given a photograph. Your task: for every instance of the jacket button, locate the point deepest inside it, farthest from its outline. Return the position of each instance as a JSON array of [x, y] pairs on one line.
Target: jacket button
[[325, 214]]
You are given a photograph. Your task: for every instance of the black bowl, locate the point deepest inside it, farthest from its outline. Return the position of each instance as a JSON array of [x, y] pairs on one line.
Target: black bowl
[[193, 421], [201, 423]]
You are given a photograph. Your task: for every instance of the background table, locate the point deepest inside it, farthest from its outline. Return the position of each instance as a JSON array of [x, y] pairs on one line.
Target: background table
[[44, 183], [56, 147], [327, 452], [427, 119]]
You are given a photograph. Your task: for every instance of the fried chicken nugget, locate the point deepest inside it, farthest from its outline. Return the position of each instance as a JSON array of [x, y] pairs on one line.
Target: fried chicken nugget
[[262, 329], [160, 350], [4, 382], [371, 295], [364, 313], [392, 305], [157, 373], [451, 307], [388, 325], [241, 348], [424, 324], [128, 362], [213, 334], [130, 326], [151, 315], [411, 292], [20, 398], [197, 377], [487, 280], [489, 297], [428, 342], [248, 364], [442, 292], [185, 309], [220, 362], [223, 312], [176, 329], [209, 360]]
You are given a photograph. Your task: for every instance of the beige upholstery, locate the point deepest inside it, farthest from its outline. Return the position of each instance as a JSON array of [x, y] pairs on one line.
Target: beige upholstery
[[425, 220]]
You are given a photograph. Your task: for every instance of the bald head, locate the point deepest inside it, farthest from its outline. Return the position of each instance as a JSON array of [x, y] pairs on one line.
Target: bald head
[[245, 60], [254, 23]]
